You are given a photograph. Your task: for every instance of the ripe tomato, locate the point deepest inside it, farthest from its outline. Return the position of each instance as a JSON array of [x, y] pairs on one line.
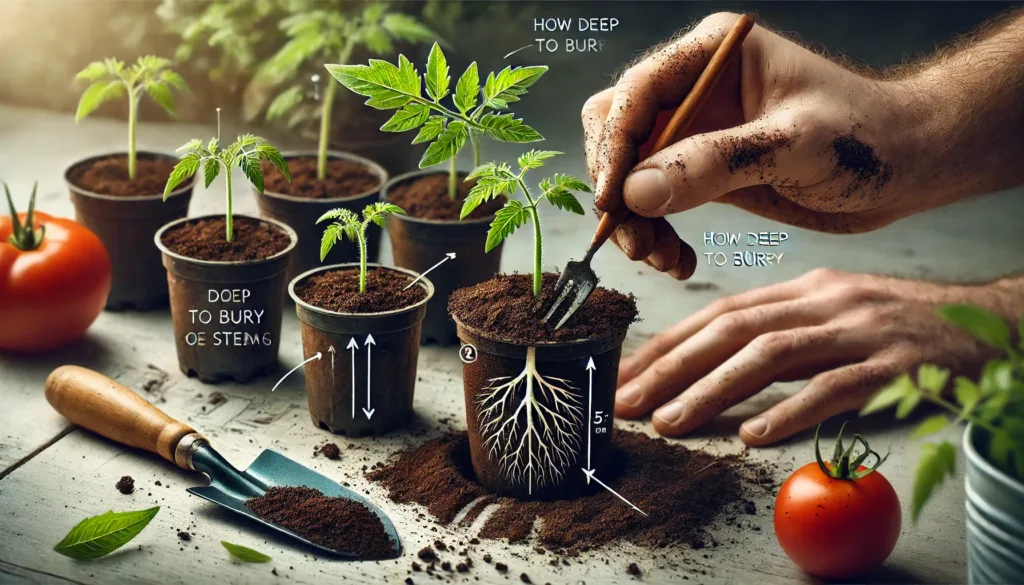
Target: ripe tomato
[[54, 281], [834, 521]]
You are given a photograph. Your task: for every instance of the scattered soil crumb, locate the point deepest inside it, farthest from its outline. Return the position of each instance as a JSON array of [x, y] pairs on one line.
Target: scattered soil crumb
[[524, 578], [501, 567], [427, 554], [330, 451], [701, 286], [756, 149], [184, 535], [633, 569], [859, 159], [125, 485]]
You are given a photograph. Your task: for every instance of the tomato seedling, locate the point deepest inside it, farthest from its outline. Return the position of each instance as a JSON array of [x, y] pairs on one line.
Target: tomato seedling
[[348, 225], [838, 519]]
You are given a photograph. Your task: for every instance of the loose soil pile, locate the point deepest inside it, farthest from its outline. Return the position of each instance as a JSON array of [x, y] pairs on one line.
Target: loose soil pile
[[681, 490], [109, 176], [338, 290], [344, 178], [204, 239], [336, 523], [505, 308], [330, 451], [859, 159], [125, 485], [427, 198]]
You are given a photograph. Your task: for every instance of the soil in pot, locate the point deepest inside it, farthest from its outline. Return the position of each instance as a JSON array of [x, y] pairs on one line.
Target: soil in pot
[[427, 198], [125, 213], [226, 297], [539, 401], [345, 178], [372, 341]]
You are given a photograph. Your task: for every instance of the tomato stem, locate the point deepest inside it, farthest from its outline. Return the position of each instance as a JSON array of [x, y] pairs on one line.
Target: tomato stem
[[24, 236], [843, 464]]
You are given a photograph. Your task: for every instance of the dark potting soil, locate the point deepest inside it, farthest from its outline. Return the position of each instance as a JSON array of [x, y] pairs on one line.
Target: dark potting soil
[[427, 198], [109, 176], [205, 239], [682, 491], [336, 523], [754, 150], [344, 178], [330, 451], [125, 485], [505, 307], [338, 290], [860, 160]]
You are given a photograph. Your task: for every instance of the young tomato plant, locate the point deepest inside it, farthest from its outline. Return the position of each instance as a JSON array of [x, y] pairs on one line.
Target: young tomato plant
[[111, 79], [497, 179], [317, 35], [349, 225], [476, 108], [995, 403], [246, 154]]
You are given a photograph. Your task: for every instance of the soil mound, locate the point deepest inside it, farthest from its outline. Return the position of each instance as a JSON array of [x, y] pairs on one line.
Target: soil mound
[[344, 178], [204, 239], [338, 290], [427, 198]]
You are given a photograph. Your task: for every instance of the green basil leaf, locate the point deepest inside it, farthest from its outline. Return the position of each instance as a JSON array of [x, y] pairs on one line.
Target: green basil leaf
[[979, 322], [938, 460], [101, 535], [930, 425], [244, 553], [890, 395], [932, 378]]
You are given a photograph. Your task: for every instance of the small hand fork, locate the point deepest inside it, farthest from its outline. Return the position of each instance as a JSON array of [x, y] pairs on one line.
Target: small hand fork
[[578, 278]]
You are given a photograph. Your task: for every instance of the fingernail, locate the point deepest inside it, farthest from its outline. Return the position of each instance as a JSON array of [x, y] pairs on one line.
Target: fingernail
[[599, 184], [756, 427], [670, 413], [629, 396], [647, 189]]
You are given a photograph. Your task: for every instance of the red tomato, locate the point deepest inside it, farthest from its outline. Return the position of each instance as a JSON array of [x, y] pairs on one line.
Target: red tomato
[[50, 294], [837, 528]]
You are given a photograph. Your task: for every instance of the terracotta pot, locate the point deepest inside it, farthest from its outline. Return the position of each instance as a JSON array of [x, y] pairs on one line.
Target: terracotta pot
[[491, 371], [214, 351], [126, 226], [360, 386], [301, 213], [418, 244]]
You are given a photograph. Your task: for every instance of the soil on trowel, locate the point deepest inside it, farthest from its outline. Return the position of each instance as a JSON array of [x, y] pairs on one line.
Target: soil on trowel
[[682, 491], [427, 198], [336, 523], [504, 307], [344, 178], [338, 290], [206, 239], [109, 176]]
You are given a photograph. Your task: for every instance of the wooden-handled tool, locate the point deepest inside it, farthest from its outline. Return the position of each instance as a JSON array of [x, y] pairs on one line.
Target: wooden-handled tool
[[93, 401], [578, 278]]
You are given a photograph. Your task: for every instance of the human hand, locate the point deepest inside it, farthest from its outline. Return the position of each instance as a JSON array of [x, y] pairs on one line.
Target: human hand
[[849, 333]]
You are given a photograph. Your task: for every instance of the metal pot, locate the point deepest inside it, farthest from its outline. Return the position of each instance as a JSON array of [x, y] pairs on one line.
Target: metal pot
[[994, 519]]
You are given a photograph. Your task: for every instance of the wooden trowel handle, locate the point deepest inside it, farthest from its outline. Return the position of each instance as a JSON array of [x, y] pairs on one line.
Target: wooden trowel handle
[[91, 400]]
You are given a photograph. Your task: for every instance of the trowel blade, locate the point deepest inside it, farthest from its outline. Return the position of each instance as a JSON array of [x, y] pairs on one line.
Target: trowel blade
[[231, 488]]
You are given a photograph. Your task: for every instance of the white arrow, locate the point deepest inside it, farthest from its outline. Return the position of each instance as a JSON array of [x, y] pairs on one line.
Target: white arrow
[[591, 476], [331, 350], [315, 357], [368, 411], [590, 420], [447, 257], [353, 346]]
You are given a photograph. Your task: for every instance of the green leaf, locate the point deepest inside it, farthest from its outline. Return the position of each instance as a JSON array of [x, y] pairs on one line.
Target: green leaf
[[932, 378], [266, 151], [210, 170], [101, 535], [508, 129], [285, 101], [408, 118], [437, 74], [379, 211], [890, 395], [345, 216], [244, 553], [999, 448], [96, 94], [250, 165], [565, 200], [907, 405], [996, 376], [510, 83], [388, 86], [374, 11], [430, 130], [494, 181], [92, 72], [406, 28], [534, 159], [571, 183], [332, 234], [467, 89], [506, 221], [930, 425], [173, 79], [161, 94], [967, 393], [377, 40], [186, 167], [938, 460], [447, 145], [986, 326]]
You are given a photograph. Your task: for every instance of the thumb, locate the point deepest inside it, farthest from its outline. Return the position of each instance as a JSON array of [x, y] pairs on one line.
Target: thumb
[[702, 168]]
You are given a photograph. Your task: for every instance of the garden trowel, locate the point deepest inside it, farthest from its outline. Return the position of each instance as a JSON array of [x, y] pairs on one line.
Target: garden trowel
[[95, 402]]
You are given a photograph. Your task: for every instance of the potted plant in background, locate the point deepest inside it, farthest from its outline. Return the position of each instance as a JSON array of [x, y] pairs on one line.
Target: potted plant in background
[[433, 199], [347, 311], [538, 400], [323, 179], [226, 272], [993, 443], [117, 196]]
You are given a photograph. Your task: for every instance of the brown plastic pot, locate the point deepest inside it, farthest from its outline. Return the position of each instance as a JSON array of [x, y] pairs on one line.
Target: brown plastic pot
[[490, 365], [418, 244], [301, 213], [126, 226], [342, 399], [213, 351]]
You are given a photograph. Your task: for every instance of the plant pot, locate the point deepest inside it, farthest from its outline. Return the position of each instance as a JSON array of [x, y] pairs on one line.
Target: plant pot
[[213, 351], [125, 225], [418, 244], [994, 519], [301, 213], [354, 379], [490, 366]]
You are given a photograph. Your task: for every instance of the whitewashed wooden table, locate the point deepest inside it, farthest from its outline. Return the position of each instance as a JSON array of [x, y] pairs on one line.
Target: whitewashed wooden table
[[53, 475]]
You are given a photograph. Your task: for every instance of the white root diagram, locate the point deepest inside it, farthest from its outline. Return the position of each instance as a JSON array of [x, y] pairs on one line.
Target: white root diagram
[[531, 425]]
